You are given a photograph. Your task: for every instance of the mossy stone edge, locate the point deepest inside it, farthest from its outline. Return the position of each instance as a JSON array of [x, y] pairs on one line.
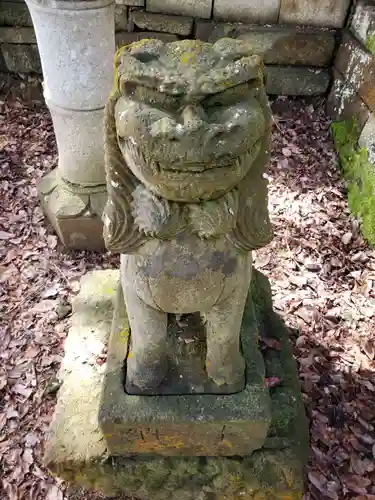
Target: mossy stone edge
[[76, 450], [359, 173]]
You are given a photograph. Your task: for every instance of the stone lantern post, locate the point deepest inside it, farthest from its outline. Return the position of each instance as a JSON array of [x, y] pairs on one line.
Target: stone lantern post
[[76, 44]]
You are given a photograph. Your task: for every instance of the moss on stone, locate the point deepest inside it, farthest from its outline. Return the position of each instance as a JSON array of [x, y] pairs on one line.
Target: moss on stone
[[77, 452], [359, 174], [370, 43]]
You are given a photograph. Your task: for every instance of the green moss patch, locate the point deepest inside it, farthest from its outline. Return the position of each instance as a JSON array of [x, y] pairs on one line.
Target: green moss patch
[[359, 173], [370, 43]]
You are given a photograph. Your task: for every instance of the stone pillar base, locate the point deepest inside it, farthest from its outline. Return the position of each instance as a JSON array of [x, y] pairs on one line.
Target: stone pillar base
[[76, 449], [74, 211]]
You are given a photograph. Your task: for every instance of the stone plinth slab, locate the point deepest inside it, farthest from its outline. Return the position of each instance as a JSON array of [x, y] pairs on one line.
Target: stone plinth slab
[[180, 25], [357, 65], [187, 424], [76, 450], [277, 45], [194, 8], [256, 11], [330, 13], [74, 212]]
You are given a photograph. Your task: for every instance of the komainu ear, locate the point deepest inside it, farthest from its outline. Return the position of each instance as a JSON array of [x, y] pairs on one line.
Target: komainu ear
[[120, 233]]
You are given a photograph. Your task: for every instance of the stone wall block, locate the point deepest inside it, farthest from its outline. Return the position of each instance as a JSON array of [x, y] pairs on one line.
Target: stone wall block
[[76, 49], [17, 35], [330, 13], [20, 58], [363, 23], [194, 8], [367, 138], [179, 25], [296, 81], [357, 65], [121, 17], [14, 14], [124, 38], [254, 11], [343, 102], [277, 45]]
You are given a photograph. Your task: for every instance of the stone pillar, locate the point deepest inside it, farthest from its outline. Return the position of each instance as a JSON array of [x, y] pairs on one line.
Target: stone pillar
[[76, 45]]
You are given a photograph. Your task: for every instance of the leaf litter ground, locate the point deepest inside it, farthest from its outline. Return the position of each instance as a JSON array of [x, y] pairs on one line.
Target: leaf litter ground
[[321, 270]]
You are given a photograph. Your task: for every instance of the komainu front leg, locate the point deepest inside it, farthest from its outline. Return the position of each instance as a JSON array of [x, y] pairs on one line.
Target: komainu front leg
[[147, 358], [224, 361]]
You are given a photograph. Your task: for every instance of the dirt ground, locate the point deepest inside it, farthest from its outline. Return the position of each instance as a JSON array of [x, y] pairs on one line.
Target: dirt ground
[[321, 270]]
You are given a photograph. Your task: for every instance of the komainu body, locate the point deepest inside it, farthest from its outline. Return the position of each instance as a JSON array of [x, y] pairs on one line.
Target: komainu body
[[187, 131]]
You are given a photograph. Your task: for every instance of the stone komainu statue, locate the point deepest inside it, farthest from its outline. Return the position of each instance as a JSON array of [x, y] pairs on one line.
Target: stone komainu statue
[[187, 132]]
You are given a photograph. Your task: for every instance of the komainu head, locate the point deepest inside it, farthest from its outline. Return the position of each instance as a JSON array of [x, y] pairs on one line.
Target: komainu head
[[191, 118]]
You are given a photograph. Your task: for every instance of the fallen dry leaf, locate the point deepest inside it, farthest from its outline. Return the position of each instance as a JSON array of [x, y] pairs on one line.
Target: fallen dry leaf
[[321, 270]]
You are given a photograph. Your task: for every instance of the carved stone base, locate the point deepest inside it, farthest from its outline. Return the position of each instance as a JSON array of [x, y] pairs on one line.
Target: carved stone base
[[191, 416], [74, 211], [77, 451]]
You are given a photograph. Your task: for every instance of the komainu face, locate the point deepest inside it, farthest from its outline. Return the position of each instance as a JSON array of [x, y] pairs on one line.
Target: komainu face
[[192, 117]]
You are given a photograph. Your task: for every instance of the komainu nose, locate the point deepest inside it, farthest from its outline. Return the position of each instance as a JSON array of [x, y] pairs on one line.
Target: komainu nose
[[193, 116]]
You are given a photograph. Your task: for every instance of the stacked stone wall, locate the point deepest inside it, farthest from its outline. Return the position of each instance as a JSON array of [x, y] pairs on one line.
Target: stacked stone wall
[[352, 96], [298, 38]]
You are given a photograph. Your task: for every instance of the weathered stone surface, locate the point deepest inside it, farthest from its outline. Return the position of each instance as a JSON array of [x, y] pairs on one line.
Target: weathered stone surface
[[80, 144], [77, 63], [256, 11], [363, 23], [125, 38], [357, 65], [180, 25], [74, 213], [277, 45], [76, 450], [343, 102], [3, 67], [132, 3], [13, 86], [14, 14], [177, 425], [222, 211], [359, 175], [330, 13], [121, 17], [21, 58], [284, 80], [17, 35], [194, 8], [367, 138]]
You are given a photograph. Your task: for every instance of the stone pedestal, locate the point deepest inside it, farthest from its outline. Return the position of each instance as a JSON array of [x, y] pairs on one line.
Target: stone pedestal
[[205, 422], [76, 46], [77, 450]]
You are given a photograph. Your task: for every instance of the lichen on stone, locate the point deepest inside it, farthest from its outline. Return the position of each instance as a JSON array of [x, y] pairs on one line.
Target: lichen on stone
[[359, 174]]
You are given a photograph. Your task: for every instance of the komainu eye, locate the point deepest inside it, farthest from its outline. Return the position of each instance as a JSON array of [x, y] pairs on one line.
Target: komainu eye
[[228, 97]]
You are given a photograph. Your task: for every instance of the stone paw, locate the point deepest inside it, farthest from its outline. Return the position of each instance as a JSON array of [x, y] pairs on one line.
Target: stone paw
[[230, 371], [147, 374]]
